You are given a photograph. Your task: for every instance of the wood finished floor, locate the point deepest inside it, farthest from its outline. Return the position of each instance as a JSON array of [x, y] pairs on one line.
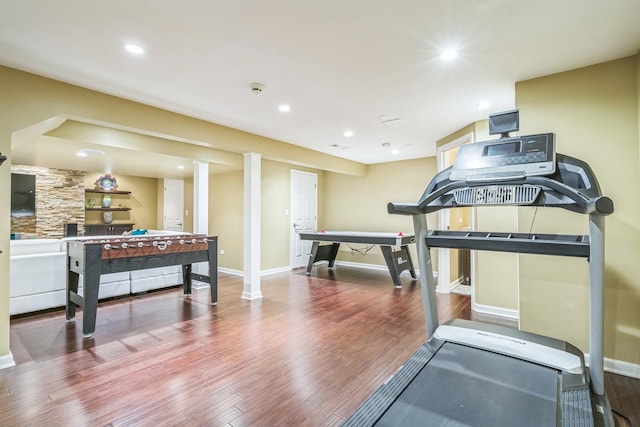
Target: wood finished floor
[[307, 354]]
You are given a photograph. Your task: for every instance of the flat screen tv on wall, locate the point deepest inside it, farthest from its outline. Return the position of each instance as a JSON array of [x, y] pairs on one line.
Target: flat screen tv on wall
[[23, 195]]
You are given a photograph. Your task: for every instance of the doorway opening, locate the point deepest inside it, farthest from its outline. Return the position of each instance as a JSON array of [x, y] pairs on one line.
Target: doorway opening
[[455, 266]]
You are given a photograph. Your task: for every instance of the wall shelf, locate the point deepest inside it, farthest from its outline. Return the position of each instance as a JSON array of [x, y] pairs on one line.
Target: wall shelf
[[97, 207], [96, 196], [87, 190], [106, 209]]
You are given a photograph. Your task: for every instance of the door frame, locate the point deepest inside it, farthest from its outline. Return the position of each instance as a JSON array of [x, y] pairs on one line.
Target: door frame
[[444, 279], [165, 184], [292, 232]]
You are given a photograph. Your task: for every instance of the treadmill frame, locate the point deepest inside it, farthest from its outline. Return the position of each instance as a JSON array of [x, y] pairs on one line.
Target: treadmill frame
[[574, 187]]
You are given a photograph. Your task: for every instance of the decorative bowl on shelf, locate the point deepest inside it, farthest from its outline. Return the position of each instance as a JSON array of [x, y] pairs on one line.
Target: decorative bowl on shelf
[[106, 183]]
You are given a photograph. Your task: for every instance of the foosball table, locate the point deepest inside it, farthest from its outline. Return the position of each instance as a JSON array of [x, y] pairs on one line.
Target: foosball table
[[96, 256]]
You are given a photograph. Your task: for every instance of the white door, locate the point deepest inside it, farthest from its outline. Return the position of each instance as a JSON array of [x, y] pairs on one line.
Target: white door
[[173, 204], [304, 214]]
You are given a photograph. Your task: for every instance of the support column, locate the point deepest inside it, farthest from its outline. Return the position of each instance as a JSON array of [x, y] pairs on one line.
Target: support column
[[251, 258], [200, 214], [201, 197]]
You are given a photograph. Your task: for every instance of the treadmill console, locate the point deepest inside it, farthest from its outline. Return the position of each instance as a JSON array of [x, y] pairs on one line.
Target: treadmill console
[[505, 158]]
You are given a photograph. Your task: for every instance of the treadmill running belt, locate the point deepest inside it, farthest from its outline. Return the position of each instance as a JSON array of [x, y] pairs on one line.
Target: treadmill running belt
[[465, 386]]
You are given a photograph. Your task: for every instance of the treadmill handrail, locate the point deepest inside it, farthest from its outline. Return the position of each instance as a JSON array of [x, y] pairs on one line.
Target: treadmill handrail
[[600, 205]]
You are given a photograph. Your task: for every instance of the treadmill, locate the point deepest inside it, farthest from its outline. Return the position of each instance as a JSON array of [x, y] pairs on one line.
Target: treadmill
[[475, 374]]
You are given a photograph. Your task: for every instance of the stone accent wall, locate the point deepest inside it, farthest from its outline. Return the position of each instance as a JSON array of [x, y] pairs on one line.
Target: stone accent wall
[[59, 200]]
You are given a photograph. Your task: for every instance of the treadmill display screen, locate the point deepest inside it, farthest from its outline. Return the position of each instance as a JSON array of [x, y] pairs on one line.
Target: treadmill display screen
[[501, 149], [504, 158]]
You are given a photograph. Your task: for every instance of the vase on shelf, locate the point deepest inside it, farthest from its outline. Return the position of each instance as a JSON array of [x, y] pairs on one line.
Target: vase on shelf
[[106, 201], [107, 217]]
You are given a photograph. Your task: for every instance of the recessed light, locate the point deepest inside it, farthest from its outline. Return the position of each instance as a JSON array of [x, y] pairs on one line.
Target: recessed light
[[180, 167], [134, 48], [448, 54], [394, 152], [284, 108], [483, 105], [348, 133]]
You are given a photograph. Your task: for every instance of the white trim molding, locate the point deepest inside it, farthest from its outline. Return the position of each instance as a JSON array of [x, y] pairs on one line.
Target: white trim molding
[[457, 282], [240, 273], [230, 271], [495, 311], [619, 367], [361, 265], [275, 270], [7, 361]]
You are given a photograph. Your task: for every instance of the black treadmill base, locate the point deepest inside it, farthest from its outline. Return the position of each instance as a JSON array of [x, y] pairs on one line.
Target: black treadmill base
[[456, 385]]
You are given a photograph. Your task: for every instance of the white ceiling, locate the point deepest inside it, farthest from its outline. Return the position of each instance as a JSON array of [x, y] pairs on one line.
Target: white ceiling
[[340, 65]]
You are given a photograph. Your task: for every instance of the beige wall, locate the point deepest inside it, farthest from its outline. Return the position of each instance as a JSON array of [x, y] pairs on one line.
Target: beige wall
[[360, 203], [32, 102], [275, 229], [143, 201], [594, 114], [276, 198], [496, 272], [226, 214], [226, 217]]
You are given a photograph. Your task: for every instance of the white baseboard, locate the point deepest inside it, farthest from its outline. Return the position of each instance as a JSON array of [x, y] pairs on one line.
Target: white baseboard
[[262, 273], [447, 289], [495, 311], [230, 271], [275, 270], [288, 268], [251, 296], [618, 367], [7, 361], [378, 267], [363, 265]]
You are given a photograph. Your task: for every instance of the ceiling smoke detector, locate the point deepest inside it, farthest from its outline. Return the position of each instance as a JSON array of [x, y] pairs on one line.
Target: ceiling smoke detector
[[256, 88]]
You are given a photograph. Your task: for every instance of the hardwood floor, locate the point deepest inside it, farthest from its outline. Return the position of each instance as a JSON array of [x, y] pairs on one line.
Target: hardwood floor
[[307, 354]]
